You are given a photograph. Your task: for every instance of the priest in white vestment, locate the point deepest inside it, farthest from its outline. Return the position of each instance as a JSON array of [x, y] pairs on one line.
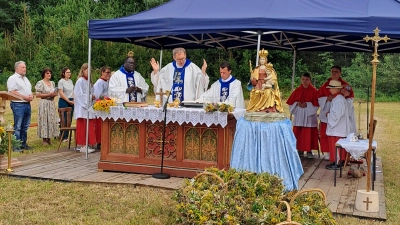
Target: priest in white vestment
[[226, 88], [186, 80], [127, 83]]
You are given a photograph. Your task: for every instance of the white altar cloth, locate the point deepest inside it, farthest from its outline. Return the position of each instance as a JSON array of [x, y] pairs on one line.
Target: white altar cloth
[[356, 148], [180, 115]]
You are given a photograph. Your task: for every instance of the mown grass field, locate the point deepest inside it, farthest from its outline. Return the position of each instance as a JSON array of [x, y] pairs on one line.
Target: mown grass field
[[25, 201]]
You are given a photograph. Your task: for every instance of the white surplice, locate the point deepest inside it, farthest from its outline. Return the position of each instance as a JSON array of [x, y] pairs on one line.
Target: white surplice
[[118, 84], [304, 117], [82, 102], [195, 82], [235, 90], [100, 88]]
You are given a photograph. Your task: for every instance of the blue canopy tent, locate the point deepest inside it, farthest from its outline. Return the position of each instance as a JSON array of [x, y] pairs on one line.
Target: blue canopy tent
[[299, 25], [332, 25]]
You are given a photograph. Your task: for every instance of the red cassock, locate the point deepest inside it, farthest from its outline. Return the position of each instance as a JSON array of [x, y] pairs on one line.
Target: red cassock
[[307, 137], [81, 131]]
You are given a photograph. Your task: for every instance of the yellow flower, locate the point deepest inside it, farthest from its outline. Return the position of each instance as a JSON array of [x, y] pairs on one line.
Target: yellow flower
[[103, 105]]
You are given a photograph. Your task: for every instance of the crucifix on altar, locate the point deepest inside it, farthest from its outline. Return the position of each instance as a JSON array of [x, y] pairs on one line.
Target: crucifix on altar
[[367, 200], [161, 93]]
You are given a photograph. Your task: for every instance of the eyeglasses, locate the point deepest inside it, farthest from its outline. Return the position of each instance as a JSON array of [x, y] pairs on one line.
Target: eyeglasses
[[108, 72], [180, 60]]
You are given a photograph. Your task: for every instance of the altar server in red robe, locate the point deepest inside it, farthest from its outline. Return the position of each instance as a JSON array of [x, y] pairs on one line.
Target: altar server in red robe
[[303, 104], [324, 101], [82, 105]]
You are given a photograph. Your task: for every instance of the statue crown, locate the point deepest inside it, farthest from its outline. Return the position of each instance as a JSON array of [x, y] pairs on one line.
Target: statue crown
[[130, 54], [263, 53]]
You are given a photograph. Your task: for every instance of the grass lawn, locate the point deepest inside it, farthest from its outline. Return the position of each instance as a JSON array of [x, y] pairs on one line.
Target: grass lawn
[[45, 202]]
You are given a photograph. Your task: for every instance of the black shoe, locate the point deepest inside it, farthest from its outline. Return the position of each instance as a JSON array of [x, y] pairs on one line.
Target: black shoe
[[98, 146], [27, 148], [329, 165], [17, 150], [334, 167]]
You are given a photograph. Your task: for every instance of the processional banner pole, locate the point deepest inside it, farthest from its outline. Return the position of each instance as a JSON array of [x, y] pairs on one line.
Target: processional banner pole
[[375, 39]]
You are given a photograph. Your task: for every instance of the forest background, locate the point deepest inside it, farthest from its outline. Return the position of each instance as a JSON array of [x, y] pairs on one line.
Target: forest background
[[54, 34]]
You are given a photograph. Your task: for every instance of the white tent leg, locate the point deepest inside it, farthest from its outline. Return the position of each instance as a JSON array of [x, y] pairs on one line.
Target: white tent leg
[[161, 57], [293, 68], [293, 74], [88, 100], [258, 46]]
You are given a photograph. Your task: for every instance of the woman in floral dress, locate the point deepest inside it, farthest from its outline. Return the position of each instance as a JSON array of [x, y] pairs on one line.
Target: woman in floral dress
[[47, 119]]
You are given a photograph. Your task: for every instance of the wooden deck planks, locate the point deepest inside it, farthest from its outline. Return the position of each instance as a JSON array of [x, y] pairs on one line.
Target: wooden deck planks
[[68, 165]]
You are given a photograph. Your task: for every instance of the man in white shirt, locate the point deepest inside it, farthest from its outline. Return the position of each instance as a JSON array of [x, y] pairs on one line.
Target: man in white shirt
[[128, 83], [226, 88], [184, 78], [20, 86]]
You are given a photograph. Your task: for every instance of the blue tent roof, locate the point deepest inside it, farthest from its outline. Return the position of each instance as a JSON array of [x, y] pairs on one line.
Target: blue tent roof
[[330, 25]]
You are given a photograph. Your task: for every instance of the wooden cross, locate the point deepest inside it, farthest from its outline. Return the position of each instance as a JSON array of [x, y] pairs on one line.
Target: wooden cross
[[367, 202], [375, 40], [161, 93]]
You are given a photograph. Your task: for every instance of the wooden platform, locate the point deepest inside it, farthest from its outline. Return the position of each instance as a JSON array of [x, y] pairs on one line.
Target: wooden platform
[[66, 165]]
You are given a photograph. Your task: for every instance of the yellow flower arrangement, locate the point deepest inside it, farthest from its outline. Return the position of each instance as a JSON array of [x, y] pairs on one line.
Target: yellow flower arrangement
[[103, 104], [225, 107], [210, 107], [221, 107]]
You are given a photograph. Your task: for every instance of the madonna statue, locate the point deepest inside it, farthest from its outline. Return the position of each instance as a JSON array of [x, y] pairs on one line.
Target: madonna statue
[[263, 86]]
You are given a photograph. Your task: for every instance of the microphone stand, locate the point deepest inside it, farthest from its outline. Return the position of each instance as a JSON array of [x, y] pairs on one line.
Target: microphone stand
[[162, 175]]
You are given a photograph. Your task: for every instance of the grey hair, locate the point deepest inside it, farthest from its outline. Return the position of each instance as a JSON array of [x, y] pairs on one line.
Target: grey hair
[[17, 64], [178, 50]]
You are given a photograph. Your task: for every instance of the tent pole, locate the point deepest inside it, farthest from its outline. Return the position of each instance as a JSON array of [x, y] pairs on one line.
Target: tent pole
[[293, 68], [161, 57], [293, 73], [258, 45], [88, 100]]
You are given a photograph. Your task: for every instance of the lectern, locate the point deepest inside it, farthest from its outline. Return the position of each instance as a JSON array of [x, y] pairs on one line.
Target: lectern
[[5, 95]]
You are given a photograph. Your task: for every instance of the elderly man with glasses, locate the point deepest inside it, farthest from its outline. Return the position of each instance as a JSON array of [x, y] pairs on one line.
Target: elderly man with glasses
[[184, 78]]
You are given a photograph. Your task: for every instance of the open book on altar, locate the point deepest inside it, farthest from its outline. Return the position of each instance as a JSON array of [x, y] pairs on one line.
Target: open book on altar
[[192, 104], [136, 104]]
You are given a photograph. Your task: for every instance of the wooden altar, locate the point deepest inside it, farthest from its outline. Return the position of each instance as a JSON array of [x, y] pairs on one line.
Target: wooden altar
[[136, 146]]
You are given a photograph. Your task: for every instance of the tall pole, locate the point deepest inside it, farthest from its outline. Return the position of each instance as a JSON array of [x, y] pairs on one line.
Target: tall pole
[[375, 39], [258, 45], [89, 97]]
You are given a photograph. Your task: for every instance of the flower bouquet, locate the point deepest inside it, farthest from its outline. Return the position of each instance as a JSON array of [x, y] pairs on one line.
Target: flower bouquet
[[225, 107], [210, 107], [104, 104], [220, 106]]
